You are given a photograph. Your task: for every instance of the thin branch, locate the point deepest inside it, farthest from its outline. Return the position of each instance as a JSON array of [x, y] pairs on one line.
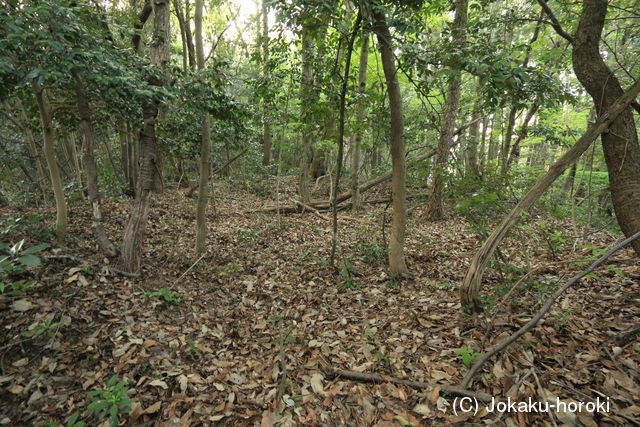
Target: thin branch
[[555, 23]]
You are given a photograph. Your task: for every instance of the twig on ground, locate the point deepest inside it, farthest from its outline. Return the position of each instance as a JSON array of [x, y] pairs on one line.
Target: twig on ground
[[379, 379]]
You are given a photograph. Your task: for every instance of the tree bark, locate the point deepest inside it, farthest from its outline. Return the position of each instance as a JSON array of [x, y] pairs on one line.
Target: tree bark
[[32, 147], [266, 124], [620, 142], [360, 122], [522, 133], [205, 145], [435, 209], [397, 264], [471, 149], [470, 287], [86, 127], [132, 243], [306, 88], [343, 99], [46, 119]]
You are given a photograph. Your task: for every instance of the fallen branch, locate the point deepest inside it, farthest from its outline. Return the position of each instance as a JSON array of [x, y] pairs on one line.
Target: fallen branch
[[109, 269], [313, 210], [480, 361], [379, 379]]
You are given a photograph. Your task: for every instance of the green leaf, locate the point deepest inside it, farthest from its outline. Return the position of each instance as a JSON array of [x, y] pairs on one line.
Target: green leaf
[[29, 260], [34, 249]]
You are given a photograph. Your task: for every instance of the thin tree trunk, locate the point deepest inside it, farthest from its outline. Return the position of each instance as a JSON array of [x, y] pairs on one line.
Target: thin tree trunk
[[360, 122], [86, 127], [470, 287], [471, 150], [32, 147], [522, 133], [46, 119], [205, 145], [266, 125], [343, 98], [306, 88], [435, 209], [397, 264]]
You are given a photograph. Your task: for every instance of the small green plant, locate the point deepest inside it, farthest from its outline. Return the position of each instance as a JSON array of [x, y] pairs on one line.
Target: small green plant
[[245, 234], [227, 269], [73, 421], [45, 329], [346, 276], [274, 318], [308, 257], [193, 347], [383, 359], [371, 252], [369, 335], [468, 356], [31, 225], [561, 320], [110, 402], [166, 295], [13, 264]]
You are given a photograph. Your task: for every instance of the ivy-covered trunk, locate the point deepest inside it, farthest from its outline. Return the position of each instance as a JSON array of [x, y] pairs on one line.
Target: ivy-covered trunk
[[148, 155], [620, 141]]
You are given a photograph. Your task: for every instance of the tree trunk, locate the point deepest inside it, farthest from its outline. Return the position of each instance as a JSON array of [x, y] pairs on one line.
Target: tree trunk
[[360, 122], [471, 150], [266, 125], [435, 209], [32, 147], [470, 287], [86, 127], [46, 120], [620, 142], [522, 133], [306, 89], [397, 264], [205, 145], [134, 232]]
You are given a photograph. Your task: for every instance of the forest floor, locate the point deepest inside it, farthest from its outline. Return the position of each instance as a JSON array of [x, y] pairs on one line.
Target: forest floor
[[262, 314]]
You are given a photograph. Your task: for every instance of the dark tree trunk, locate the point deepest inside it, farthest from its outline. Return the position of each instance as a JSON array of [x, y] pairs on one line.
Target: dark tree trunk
[[620, 142]]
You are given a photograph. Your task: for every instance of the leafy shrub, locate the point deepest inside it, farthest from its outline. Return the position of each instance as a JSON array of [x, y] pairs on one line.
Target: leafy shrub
[[110, 402], [468, 356], [13, 265]]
